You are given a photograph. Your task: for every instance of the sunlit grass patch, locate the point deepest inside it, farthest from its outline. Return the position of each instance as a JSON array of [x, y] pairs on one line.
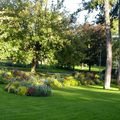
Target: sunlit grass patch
[[85, 102]]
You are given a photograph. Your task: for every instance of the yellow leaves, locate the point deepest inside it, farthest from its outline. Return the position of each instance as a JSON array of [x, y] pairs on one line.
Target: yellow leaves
[[24, 13], [5, 18], [114, 29], [49, 30], [59, 17], [2, 12], [4, 35]]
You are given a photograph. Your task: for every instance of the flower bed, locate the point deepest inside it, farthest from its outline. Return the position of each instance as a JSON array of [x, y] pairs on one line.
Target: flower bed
[[28, 89]]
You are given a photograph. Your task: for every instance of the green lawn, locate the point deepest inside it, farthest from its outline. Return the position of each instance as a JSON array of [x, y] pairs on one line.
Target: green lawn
[[52, 69], [78, 103], [93, 68], [46, 69]]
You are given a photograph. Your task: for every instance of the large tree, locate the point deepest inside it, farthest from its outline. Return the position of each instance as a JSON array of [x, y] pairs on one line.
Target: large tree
[[36, 28], [118, 78], [94, 38], [108, 46], [72, 53], [104, 7], [83, 46]]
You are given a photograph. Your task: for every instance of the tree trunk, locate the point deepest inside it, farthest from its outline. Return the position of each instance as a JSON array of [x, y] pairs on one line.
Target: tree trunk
[[118, 77], [108, 46], [89, 67], [34, 64], [33, 68], [73, 67]]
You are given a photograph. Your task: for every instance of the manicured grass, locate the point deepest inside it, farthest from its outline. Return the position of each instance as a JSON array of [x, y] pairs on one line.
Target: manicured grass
[[93, 68], [48, 69], [75, 103], [51, 69]]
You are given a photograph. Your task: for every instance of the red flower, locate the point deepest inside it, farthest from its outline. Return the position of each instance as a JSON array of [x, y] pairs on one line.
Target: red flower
[[31, 91]]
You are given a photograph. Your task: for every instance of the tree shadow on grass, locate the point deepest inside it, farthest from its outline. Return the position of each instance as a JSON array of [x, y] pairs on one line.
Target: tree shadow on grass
[[86, 103], [89, 93]]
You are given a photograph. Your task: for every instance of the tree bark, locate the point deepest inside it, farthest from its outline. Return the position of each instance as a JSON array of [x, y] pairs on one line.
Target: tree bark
[[33, 68], [107, 81], [89, 67], [118, 77], [34, 64]]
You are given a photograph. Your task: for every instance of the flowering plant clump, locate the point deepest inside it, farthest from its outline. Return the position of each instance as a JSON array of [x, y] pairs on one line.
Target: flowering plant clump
[[31, 91], [27, 89]]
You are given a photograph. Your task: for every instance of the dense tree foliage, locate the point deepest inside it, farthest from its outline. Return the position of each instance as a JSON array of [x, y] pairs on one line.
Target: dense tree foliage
[[33, 29], [85, 42], [35, 32]]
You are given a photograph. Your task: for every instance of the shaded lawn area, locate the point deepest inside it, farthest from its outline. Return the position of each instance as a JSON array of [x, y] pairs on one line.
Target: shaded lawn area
[[44, 70], [75, 103], [47, 68]]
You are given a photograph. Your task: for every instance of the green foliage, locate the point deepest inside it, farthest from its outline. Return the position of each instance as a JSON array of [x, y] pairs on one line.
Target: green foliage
[[5, 77], [22, 90], [75, 52], [35, 38], [72, 53], [11, 88], [46, 35], [94, 37], [55, 84], [28, 89], [43, 90], [70, 81], [88, 78], [115, 54], [2, 80]]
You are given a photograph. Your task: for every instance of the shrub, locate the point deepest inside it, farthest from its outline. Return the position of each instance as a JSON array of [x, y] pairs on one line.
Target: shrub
[[88, 78], [22, 90], [55, 84], [2, 80], [57, 75], [7, 86], [97, 79], [43, 90], [31, 91], [97, 82], [97, 76], [27, 84], [7, 75], [20, 74], [12, 87], [70, 81], [16, 84]]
